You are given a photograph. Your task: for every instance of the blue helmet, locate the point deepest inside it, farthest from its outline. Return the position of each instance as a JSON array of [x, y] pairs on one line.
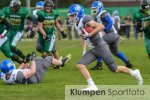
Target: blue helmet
[[76, 10], [7, 66], [115, 13], [39, 4], [97, 7]]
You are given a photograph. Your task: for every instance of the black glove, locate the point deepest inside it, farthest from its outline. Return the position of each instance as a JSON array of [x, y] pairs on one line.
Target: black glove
[[30, 34], [64, 35], [47, 38], [32, 56], [26, 59]]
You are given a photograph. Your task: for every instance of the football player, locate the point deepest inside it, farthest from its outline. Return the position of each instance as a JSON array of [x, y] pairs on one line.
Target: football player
[[111, 36], [98, 48], [4, 42], [142, 20], [26, 74], [16, 16], [47, 21]]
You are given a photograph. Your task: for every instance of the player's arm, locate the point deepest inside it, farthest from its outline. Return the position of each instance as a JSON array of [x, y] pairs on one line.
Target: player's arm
[[31, 71], [97, 27], [83, 46], [4, 21], [0, 74], [108, 21], [57, 25], [40, 26]]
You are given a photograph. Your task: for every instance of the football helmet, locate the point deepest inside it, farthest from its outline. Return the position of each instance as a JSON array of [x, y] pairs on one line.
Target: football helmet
[[39, 5], [15, 5], [97, 7], [7, 66], [48, 5], [75, 13]]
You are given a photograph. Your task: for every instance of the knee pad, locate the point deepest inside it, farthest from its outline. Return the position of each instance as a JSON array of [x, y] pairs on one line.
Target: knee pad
[[112, 67]]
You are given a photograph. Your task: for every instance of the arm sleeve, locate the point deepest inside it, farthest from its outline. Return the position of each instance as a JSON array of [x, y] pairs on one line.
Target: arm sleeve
[[106, 18], [86, 19], [0, 74], [5, 22], [40, 18]]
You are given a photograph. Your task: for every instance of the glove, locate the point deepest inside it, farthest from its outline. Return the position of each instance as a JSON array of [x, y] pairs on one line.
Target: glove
[[64, 35], [32, 56], [26, 59], [83, 52], [47, 38], [85, 35], [30, 34]]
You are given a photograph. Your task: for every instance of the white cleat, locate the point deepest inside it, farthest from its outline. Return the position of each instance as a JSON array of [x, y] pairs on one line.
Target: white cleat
[[91, 88], [138, 77], [68, 58]]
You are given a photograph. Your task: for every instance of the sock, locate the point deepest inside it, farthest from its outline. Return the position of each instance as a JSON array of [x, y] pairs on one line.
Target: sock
[[18, 52], [122, 57], [63, 61], [90, 81], [99, 60], [132, 73], [16, 58]]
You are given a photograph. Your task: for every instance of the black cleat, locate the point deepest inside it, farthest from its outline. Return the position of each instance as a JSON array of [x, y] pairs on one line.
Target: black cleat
[[64, 61], [128, 64], [98, 66]]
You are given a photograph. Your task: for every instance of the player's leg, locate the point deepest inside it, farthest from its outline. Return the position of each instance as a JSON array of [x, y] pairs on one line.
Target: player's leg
[[98, 66], [7, 52], [147, 46], [48, 46], [86, 59], [114, 49], [13, 47], [39, 44], [108, 59]]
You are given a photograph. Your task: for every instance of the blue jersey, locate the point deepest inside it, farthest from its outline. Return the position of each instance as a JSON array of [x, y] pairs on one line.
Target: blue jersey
[[105, 18]]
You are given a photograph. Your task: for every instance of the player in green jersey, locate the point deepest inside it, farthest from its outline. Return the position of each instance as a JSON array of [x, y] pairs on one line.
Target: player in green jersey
[[16, 16], [47, 21], [4, 42], [143, 22]]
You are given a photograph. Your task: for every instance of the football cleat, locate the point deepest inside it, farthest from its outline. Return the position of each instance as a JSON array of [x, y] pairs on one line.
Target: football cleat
[[138, 77], [90, 88], [98, 66]]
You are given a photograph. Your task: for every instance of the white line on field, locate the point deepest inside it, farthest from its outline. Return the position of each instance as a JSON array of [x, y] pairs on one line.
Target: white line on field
[[69, 47]]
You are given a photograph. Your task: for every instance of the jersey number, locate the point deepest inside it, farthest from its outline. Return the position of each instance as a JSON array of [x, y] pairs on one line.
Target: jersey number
[[15, 22], [48, 23]]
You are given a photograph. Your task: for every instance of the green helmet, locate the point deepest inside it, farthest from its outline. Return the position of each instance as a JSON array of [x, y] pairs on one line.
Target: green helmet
[[48, 3], [145, 4]]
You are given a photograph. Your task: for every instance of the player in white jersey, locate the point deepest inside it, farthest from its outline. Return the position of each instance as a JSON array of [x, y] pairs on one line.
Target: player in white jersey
[[26, 74], [99, 47]]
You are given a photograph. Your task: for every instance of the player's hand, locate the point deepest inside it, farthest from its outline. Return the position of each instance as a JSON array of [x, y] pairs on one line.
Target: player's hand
[[85, 36], [47, 38], [30, 34], [84, 51], [1, 36], [32, 56], [64, 35]]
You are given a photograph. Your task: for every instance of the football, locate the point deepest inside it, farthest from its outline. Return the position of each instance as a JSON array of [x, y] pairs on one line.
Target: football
[[89, 29]]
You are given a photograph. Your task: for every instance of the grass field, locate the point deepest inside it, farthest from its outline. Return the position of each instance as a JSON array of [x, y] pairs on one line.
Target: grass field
[[53, 85]]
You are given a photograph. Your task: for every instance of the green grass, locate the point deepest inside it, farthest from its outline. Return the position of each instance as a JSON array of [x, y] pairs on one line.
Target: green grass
[[53, 85]]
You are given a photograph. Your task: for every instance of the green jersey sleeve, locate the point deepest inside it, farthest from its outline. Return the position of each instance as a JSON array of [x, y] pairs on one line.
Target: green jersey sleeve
[[2, 15]]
